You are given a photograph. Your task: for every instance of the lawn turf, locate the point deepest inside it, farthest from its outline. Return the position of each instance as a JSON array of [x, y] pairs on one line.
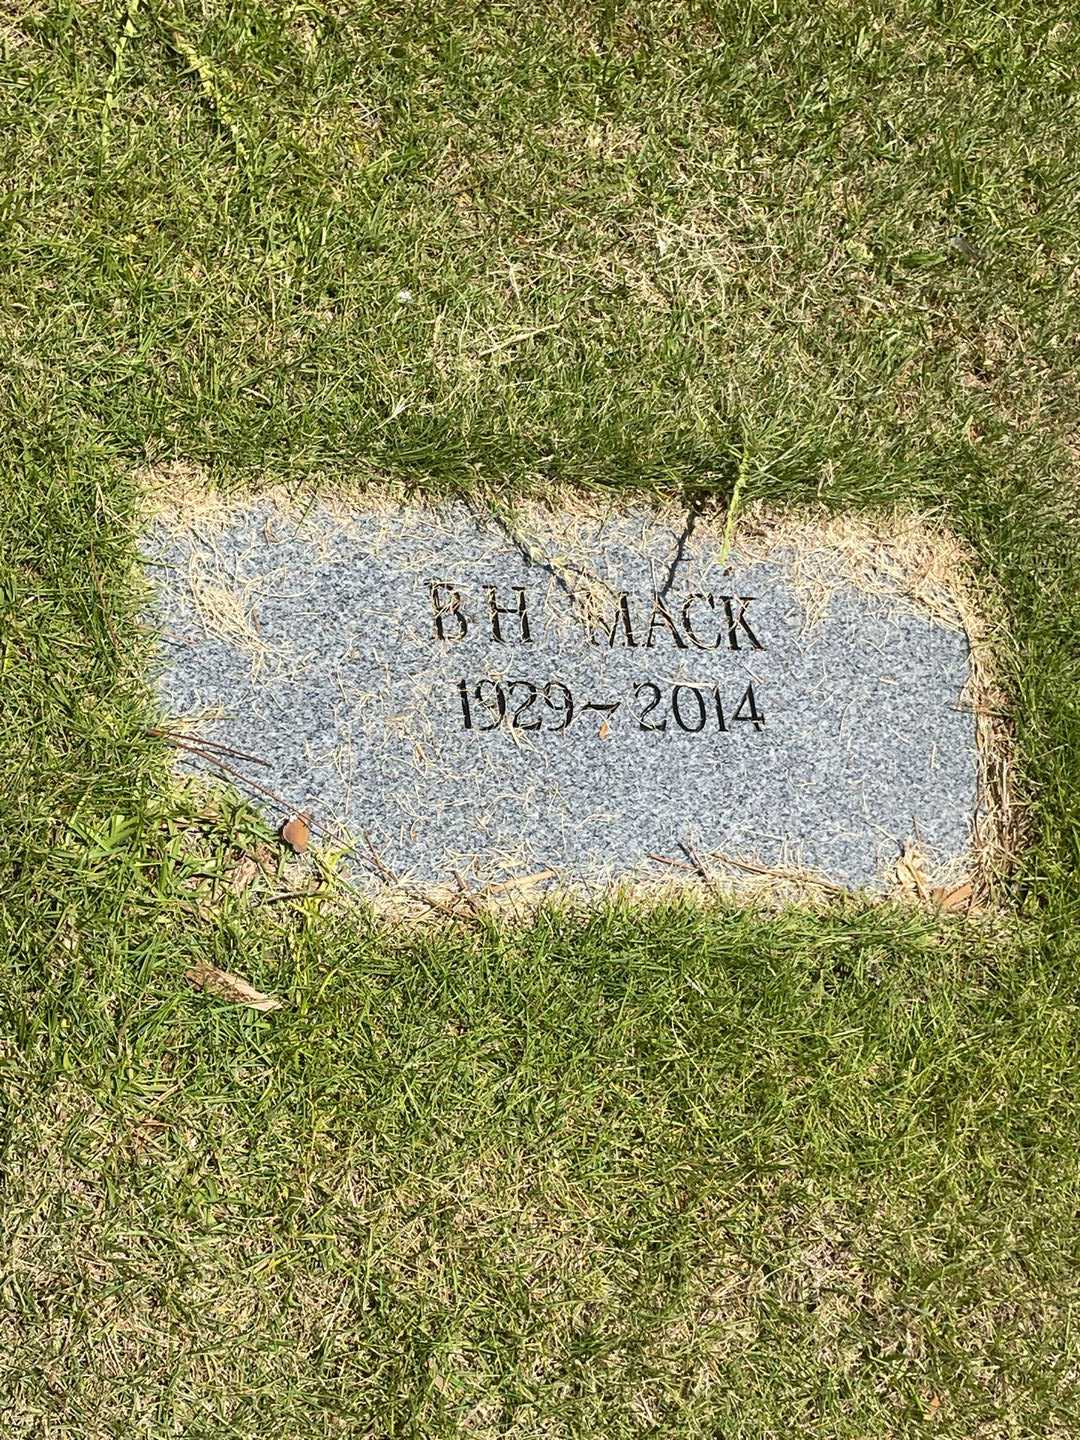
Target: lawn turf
[[689, 1171]]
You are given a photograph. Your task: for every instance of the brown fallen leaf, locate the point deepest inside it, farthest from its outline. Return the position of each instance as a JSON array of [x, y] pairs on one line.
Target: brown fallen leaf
[[953, 897], [296, 833], [911, 872], [604, 730], [227, 986]]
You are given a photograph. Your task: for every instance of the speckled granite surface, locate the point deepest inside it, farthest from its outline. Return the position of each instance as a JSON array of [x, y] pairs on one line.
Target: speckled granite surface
[[492, 707]]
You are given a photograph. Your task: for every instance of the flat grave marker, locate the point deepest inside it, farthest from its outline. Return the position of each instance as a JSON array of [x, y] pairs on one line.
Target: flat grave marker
[[572, 691]]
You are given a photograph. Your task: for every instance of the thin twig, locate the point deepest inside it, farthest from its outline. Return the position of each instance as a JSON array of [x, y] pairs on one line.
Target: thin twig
[[288, 895], [373, 859], [699, 865], [669, 860], [252, 785], [179, 737], [692, 513], [110, 629], [466, 893], [794, 876], [379, 865], [523, 548]]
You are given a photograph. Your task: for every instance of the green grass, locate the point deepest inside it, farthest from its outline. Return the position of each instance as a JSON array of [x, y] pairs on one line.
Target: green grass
[[689, 1172]]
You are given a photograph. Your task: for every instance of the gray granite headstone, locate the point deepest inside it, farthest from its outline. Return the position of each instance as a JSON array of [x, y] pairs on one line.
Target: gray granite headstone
[[480, 702]]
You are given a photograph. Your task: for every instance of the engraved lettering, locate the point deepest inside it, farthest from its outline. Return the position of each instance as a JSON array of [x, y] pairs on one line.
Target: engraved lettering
[[696, 719], [517, 613], [621, 620], [734, 621], [531, 694], [446, 607], [660, 616], [643, 718], [688, 624], [550, 707], [564, 706], [747, 709]]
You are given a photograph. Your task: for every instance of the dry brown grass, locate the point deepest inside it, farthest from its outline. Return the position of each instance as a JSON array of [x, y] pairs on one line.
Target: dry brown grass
[[900, 556]]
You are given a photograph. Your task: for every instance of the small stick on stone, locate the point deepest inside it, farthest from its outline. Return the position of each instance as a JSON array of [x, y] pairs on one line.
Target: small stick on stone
[[389, 878], [692, 513], [385, 874], [251, 784], [466, 893], [181, 739], [698, 863], [669, 860], [790, 875]]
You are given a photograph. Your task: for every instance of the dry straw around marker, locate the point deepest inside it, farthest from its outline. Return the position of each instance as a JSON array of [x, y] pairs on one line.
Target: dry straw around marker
[[902, 556]]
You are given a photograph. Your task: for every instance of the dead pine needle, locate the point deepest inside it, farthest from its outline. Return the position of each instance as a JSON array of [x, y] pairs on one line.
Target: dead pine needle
[[697, 863], [792, 877], [392, 881], [183, 740]]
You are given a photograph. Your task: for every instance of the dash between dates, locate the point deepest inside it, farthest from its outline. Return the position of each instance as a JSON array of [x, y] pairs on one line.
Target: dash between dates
[[552, 707]]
